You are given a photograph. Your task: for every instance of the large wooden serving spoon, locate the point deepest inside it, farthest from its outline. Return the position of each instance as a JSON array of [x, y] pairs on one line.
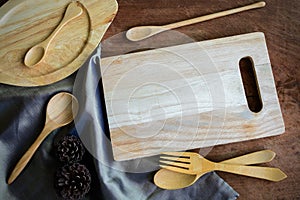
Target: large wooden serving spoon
[[36, 53], [143, 32], [61, 110]]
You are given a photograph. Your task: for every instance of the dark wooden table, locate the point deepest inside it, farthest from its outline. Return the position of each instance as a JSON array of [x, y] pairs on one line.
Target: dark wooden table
[[279, 20]]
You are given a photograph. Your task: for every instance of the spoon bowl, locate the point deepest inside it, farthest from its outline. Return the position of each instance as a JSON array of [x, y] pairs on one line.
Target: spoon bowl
[[171, 180], [143, 32], [61, 110], [34, 55]]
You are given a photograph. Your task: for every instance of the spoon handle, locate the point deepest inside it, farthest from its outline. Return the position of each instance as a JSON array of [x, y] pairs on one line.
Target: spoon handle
[[267, 173], [73, 10], [214, 15], [257, 157], [28, 155]]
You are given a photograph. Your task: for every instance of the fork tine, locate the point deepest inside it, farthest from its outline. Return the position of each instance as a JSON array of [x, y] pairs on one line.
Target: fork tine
[[186, 160], [175, 169], [177, 164], [185, 154]]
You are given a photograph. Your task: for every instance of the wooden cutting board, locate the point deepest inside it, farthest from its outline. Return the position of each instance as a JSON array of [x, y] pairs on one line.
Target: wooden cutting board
[[188, 96], [25, 23]]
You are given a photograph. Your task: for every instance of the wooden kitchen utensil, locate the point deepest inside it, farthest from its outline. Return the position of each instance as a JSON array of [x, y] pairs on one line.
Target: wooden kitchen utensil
[[36, 53], [171, 180], [188, 96], [61, 110], [193, 163], [143, 32], [21, 28]]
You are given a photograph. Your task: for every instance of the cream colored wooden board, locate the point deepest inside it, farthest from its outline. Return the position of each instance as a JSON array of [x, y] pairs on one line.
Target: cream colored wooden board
[[188, 96], [25, 23]]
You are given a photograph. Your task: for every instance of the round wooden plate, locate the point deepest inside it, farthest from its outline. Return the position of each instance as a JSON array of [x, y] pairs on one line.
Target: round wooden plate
[[26, 23]]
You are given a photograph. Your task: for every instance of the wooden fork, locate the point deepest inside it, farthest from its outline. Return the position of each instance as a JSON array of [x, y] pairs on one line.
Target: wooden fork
[[193, 163]]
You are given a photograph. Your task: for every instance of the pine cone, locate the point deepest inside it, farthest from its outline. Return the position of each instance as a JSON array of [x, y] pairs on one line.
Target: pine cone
[[70, 149], [73, 181]]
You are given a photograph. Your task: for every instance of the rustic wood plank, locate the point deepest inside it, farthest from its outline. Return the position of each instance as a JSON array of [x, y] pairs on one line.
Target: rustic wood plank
[[279, 20]]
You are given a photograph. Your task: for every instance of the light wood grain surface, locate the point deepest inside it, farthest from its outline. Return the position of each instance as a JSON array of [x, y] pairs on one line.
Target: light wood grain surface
[[188, 96], [22, 28], [279, 21]]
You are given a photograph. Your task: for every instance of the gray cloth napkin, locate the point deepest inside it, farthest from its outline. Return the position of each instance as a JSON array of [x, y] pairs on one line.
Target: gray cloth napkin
[[127, 179], [22, 116]]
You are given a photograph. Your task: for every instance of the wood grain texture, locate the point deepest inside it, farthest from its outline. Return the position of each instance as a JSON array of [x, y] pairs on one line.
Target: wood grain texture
[[38, 52], [279, 21], [187, 96], [26, 23]]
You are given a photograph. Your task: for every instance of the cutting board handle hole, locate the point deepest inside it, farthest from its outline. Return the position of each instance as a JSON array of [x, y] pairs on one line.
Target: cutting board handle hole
[[250, 84]]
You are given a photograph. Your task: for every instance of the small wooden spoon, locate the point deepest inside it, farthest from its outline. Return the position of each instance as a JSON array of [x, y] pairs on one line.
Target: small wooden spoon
[[61, 110], [37, 53], [143, 32], [171, 180]]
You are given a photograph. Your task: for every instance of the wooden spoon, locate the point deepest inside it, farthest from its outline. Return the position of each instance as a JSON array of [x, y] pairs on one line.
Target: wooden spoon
[[171, 180], [143, 32], [37, 53], [61, 110]]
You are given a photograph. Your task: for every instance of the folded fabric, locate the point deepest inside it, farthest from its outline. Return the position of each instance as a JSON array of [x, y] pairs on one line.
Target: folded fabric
[[22, 116], [127, 179]]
